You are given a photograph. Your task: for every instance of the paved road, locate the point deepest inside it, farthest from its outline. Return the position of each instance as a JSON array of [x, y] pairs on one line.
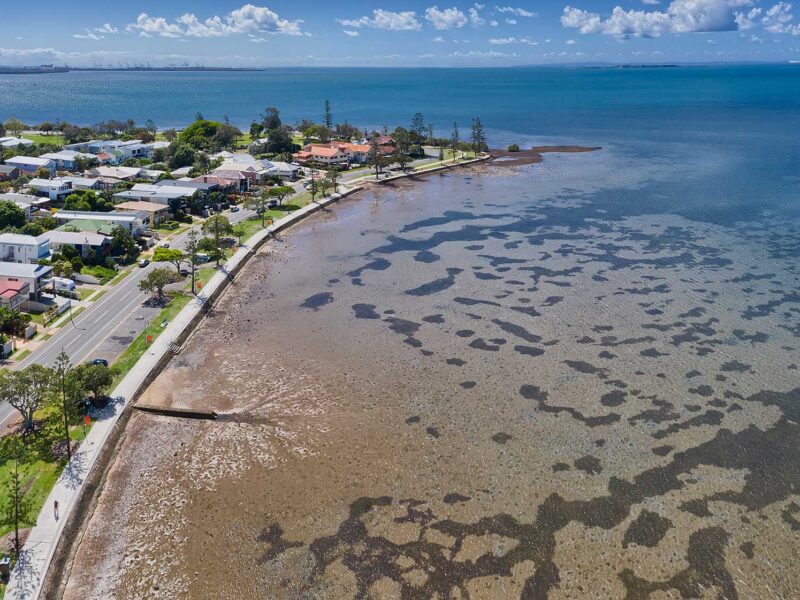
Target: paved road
[[81, 336]]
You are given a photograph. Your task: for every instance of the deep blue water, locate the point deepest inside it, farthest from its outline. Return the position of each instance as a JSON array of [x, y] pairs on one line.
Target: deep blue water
[[724, 139]]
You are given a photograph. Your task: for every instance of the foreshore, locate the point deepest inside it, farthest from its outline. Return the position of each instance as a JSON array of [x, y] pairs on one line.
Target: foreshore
[[52, 543]]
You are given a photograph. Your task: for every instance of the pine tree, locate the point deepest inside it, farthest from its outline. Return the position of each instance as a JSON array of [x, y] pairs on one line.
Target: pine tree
[[328, 115], [455, 138], [478, 135]]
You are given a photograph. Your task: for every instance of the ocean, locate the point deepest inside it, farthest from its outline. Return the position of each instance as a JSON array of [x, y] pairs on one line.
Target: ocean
[[569, 379]]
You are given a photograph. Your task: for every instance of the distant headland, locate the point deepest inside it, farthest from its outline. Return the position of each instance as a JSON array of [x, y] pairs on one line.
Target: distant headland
[[37, 70]]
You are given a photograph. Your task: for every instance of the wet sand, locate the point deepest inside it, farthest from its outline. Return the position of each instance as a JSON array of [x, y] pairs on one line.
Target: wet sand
[[492, 384]]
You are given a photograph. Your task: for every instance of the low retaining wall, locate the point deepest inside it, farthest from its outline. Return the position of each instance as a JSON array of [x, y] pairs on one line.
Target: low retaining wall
[[42, 572]]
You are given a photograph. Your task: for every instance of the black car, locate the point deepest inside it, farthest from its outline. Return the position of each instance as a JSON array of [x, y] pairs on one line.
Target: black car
[[99, 362]]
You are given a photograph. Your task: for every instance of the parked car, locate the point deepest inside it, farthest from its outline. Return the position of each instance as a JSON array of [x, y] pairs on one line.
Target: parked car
[[99, 362], [143, 263], [234, 208], [165, 245]]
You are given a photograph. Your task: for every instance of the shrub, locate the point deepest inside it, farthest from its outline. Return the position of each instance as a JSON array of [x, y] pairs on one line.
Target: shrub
[[513, 148]]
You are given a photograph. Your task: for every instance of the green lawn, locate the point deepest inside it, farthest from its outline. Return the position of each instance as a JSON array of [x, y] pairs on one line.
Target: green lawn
[[55, 139], [99, 295], [120, 277], [202, 276], [75, 313], [45, 337], [21, 355], [102, 273], [84, 293], [137, 348]]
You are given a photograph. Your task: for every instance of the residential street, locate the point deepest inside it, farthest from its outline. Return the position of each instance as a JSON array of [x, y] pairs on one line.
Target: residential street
[[107, 324]]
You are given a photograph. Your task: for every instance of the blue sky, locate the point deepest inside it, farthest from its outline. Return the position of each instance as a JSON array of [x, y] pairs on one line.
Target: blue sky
[[397, 32]]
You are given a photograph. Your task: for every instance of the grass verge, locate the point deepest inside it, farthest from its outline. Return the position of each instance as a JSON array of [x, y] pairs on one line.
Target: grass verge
[[139, 346], [99, 295]]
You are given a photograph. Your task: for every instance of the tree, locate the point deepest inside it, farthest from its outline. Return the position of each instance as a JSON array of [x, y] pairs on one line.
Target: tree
[[478, 136], [15, 126], [182, 156], [11, 215], [151, 127], [402, 160], [42, 173], [278, 141], [67, 387], [155, 281], [333, 175], [280, 193], [218, 227], [27, 391], [430, 134], [328, 115], [418, 127], [170, 255], [374, 156], [255, 130], [271, 119], [13, 322], [259, 204], [313, 188], [455, 138], [324, 185], [170, 135], [225, 137], [123, 243], [17, 505], [191, 248], [62, 268], [97, 379]]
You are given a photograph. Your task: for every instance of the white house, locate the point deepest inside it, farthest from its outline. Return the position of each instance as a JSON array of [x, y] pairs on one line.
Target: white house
[[121, 173], [12, 142], [82, 183], [16, 248], [55, 189], [30, 164], [286, 171], [132, 222], [36, 276], [162, 194], [82, 241]]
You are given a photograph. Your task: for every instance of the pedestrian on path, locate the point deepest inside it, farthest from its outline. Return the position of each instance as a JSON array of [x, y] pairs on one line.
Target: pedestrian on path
[[55, 509]]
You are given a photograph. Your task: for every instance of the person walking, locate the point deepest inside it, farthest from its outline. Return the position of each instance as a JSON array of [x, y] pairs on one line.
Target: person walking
[[55, 509]]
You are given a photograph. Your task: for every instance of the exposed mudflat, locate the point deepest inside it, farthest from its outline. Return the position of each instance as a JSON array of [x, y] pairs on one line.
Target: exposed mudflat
[[497, 383]]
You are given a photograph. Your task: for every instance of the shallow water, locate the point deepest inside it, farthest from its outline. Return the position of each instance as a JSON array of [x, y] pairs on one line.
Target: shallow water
[[507, 382]]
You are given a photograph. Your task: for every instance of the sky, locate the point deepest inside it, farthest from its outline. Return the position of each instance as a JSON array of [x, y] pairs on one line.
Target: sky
[[401, 33]]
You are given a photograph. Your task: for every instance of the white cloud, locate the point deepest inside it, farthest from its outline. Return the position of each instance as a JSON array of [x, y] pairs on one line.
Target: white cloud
[[97, 33], [246, 19], [517, 12], [778, 19], [257, 40], [512, 40], [438, 39], [447, 18], [571, 42], [350, 33], [385, 19], [511, 21], [106, 28], [475, 15], [480, 54], [88, 35], [681, 16]]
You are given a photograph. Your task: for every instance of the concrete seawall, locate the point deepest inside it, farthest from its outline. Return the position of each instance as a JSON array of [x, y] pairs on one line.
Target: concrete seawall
[[45, 561]]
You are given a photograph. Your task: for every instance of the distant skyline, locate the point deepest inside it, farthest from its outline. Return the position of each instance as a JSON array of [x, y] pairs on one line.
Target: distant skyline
[[411, 33]]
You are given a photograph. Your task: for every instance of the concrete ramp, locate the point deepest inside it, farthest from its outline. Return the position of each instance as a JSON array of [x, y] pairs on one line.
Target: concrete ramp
[[179, 413]]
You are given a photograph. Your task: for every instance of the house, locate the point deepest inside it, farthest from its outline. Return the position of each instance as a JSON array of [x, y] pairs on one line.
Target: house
[[386, 140], [286, 171], [162, 194], [8, 172], [28, 165], [152, 174], [96, 221], [54, 189], [226, 186], [67, 160], [17, 248], [82, 183], [36, 276], [241, 181], [118, 173], [324, 155], [154, 212], [120, 150], [182, 172], [12, 142], [85, 242], [30, 204], [13, 293]]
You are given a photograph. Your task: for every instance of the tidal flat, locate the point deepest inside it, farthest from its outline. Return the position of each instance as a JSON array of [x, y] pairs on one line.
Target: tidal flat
[[503, 382]]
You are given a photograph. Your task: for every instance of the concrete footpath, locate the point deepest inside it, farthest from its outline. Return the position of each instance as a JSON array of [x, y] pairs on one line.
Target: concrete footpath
[[28, 577]]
